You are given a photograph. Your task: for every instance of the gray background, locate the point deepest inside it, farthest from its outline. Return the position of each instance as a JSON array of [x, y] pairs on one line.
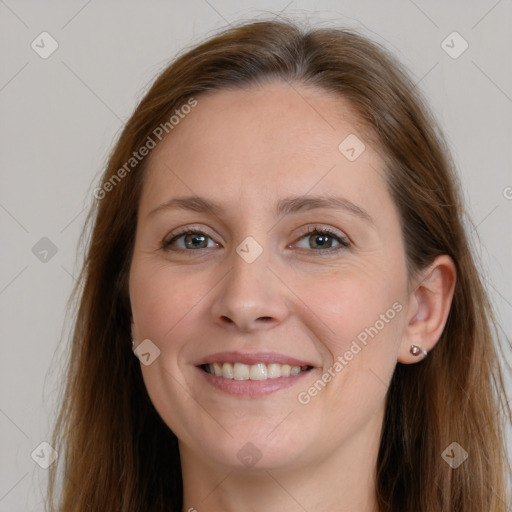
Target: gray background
[[60, 115]]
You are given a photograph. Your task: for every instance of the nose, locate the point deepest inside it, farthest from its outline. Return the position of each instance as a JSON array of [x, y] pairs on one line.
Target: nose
[[250, 297]]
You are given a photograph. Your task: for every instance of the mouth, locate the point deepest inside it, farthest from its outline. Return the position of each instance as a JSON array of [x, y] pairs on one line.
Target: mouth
[[254, 372], [251, 376]]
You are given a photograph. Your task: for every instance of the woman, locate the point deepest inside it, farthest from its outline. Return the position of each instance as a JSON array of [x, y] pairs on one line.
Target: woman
[[278, 238]]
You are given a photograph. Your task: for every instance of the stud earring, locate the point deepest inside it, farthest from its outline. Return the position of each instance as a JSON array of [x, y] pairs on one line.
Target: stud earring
[[416, 351]]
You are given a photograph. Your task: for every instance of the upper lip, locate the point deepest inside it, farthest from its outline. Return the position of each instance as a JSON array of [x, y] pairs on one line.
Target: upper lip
[[252, 358]]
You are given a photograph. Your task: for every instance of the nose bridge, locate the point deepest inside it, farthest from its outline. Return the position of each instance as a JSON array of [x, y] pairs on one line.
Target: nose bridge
[[250, 295], [249, 263]]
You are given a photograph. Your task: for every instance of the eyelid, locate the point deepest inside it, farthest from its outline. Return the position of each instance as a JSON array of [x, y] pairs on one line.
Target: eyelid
[[186, 229]]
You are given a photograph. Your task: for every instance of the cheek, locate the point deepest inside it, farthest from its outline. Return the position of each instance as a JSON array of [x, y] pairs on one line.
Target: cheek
[[161, 298], [359, 320], [345, 302], [163, 302], [358, 315]]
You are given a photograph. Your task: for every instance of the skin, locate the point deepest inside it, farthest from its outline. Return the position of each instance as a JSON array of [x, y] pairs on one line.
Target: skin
[[247, 149]]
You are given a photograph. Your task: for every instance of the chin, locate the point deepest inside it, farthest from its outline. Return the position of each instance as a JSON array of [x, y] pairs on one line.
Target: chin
[[251, 449]]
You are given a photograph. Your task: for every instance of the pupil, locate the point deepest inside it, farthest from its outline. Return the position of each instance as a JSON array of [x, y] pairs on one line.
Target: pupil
[[196, 238], [321, 240]]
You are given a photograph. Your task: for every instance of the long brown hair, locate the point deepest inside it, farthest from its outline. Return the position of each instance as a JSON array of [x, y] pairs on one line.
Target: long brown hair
[[116, 453]]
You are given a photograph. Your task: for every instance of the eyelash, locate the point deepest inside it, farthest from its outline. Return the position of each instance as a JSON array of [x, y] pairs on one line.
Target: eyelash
[[343, 241]]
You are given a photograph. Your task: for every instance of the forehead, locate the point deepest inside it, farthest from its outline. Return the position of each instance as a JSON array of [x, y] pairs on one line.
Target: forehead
[[258, 143]]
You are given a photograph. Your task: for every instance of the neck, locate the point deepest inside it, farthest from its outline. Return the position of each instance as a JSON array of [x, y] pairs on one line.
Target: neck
[[343, 480]]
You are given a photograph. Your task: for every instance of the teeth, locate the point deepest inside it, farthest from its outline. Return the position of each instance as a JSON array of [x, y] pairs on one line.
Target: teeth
[[260, 371], [241, 371], [273, 371], [294, 370], [217, 369], [285, 370], [227, 370]]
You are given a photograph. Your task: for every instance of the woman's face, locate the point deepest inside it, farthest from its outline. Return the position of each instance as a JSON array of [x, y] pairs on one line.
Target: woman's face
[[253, 284]]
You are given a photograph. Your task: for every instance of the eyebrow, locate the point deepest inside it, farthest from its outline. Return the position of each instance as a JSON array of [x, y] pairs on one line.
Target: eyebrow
[[286, 206]]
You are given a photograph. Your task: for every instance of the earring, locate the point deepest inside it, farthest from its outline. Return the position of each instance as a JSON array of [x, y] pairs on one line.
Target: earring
[[133, 344], [416, 351]]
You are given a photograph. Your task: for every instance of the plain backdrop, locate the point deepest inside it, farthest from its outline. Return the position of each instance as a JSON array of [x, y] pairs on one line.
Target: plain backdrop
[[60, 116]]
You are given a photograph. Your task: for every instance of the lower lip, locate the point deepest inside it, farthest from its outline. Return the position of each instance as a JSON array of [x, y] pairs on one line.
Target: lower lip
[[251, 388]]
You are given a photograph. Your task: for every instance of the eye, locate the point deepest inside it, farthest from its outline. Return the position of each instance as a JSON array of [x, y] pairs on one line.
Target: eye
[[189, 239], [317, 238], [323, 238]]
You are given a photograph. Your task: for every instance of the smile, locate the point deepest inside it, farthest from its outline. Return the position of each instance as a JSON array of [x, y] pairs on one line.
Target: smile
[[259, 371]]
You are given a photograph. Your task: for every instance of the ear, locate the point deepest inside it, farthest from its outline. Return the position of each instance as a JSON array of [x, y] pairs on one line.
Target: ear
[[428, 307]]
